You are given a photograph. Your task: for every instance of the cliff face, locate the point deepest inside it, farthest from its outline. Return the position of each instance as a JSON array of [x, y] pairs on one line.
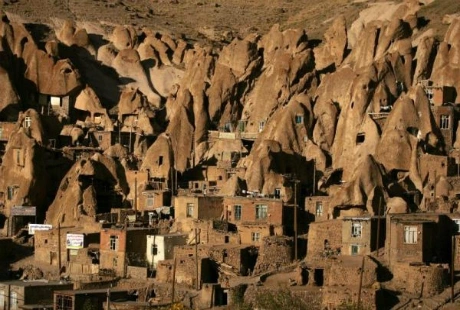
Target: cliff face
[[292, 107]]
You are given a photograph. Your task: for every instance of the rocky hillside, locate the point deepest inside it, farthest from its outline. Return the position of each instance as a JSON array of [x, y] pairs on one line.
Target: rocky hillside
[[354, 104]]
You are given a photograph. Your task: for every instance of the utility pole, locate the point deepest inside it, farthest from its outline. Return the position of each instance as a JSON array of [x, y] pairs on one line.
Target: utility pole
[[452, 271], [108, 299], [196, 260], [135, 191], [295, 219], [59, 249], [173, 281], [378, 228], [360, 284]]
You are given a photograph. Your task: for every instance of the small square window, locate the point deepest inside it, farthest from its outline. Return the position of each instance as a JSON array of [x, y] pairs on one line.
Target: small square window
[[299, 119], [255, 236], [261, 212], [237, 209], [190, 208], [114, 243], [410, 234], [319, 209], [356, 229]]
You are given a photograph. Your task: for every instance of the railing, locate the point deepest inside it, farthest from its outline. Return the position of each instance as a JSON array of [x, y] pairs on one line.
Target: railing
[[232, 135], [378, 115]]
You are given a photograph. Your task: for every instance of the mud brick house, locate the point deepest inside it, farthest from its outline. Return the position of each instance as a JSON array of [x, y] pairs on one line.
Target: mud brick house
[[254, 233], [46, 246], [241, 209], [359, 234], [317, 208], [446, 120], [198, 207], [16, 294], [161, 247], [418, 238], [84, 299], [123, 247]]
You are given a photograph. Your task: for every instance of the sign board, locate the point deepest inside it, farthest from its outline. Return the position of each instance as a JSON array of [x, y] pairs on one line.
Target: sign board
[[23, 211], [75, 241], [34, 227]]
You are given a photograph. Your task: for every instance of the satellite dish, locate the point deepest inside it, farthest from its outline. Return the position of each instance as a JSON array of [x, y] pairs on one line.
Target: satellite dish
[[243, 191]]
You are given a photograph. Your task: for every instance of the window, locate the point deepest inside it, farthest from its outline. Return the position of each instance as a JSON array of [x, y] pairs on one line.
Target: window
[[99, 138], [360, 137], [1, 132], [154, 249], [354, 249], [190, 209], [299, 119], [261, 125], [114, 243], [356, 229], [410, 234], [149, 201], [13, 301], [445, 122], [10, 192], [160, 160], [319, 209], [27, 122], [19, 157], [277, 193], [255, 236], [457, 226], [64, 302], [237, 210], [55, 101], [261, 212]]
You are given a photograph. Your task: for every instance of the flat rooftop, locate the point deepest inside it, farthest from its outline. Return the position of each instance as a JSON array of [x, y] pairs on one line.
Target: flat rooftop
[[35, 283]]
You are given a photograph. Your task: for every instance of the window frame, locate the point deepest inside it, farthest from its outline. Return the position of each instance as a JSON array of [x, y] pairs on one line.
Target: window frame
[[261, 212], [410, 234], [356, 229], [444, 122], [255, 236], [319, 208], [189, 209], [113, 243], [237, 211]]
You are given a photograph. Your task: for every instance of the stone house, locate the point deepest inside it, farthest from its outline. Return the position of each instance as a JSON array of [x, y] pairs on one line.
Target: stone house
[[445, 118], [359, 234], [123, 247], [418, 238], [161, 247], [17, 294], [199, 207], [317, 208], [324, 240], [187, 263]]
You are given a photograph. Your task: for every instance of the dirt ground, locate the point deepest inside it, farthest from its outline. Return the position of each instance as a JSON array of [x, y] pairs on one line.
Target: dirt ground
[[193, 18]]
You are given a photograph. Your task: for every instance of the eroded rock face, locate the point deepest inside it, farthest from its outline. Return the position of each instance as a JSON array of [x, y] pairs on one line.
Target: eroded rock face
[[332, 52], [77, 197]]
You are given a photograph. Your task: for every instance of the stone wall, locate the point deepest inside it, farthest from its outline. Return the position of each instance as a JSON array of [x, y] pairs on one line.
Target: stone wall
[[319, 233], [274, 253], [424, 281]]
